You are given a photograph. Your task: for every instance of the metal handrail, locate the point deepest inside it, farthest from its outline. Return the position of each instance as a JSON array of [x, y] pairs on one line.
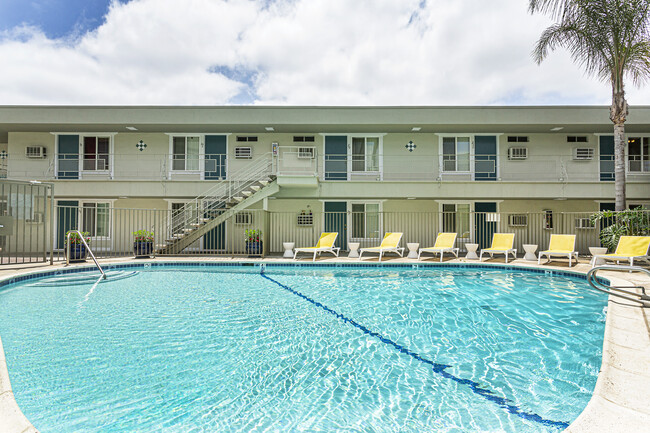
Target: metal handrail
[[621, 292], [67, 256]]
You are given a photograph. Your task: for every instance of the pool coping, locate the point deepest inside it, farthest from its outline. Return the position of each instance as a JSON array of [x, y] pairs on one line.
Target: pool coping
[[614, 406]]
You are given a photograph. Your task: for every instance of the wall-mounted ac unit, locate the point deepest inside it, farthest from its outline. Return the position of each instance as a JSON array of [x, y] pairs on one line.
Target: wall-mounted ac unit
[[243, 152], [584, 223], [244, 218], [517, 153], [583, 153], [518, 220], [306, 152], [35, 152]]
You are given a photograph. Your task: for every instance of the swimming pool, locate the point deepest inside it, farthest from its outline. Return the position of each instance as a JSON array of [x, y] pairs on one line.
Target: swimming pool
[[180, 348]]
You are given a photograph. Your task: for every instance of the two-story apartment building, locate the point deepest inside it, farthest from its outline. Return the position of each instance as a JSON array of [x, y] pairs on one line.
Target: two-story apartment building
[[358, 162]]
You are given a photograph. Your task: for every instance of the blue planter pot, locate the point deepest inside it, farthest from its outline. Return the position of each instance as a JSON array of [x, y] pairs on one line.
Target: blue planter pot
[[143, 249], [78, 253], [254, 248]]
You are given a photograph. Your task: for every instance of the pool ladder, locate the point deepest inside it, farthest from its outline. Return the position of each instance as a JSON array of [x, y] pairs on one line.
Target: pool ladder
[[67, 256], [626, 292]]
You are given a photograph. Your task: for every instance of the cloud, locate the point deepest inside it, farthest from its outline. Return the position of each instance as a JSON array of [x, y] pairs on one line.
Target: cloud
[[301, 52]]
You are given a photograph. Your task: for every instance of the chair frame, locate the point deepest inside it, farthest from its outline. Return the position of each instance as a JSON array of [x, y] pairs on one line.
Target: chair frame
[[550, 253], [381, 250], [318, 250], [433, 250], [491, 251]]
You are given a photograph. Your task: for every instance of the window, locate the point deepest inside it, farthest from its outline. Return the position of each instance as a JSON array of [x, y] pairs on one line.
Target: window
[[455, 154], [95, 157], [548, 219], [365, 221], [637, 154], [95, 219], [303, 138], [242, 139], [517, 139], [576, 139], [186, 153], [455, 219], [365, 154]]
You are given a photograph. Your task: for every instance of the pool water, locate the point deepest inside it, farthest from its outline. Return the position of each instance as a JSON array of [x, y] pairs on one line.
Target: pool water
[[304, 349]]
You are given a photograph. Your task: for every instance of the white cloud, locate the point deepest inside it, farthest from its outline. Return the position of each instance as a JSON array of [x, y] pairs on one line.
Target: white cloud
[[312, 52]]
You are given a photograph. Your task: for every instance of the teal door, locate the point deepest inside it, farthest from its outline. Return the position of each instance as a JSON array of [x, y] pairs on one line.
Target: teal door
[[485, 157], [66, 220], [215, 157], [215, 239], [483, 226], [336, 157], [606, 152], [68, 157], [336, 214]]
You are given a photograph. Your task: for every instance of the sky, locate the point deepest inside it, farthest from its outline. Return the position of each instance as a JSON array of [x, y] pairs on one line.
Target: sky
[[285, 52]]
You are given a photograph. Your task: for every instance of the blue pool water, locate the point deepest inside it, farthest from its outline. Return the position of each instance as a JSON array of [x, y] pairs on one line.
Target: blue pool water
[[304, 349]]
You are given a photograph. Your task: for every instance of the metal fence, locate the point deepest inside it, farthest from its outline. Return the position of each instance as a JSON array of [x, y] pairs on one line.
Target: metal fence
[[111, 229], [25, 221]]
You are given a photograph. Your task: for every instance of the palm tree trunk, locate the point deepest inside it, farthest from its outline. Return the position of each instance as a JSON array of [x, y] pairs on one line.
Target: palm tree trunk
[[618, 115]]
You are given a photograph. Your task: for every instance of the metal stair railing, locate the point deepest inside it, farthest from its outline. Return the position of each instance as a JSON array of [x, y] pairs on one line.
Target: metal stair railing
[[67, 255], [625, 292], [218, 197]]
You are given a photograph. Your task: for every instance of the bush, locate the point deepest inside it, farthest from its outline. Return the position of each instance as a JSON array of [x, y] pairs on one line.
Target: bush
[[75, 239], [143, 236], [632, 222]]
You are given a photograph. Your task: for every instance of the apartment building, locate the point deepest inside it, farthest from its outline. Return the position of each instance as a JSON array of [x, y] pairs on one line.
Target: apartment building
[[360, 163]]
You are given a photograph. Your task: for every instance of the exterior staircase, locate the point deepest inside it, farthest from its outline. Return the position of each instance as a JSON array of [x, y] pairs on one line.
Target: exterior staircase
[[205, 212]]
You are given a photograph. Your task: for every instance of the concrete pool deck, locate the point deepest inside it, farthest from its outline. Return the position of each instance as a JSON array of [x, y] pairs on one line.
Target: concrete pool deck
[[620, 401]]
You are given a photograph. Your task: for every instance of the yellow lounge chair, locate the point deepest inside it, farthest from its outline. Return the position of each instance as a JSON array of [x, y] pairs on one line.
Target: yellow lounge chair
[[325, 245], [560, 245], [501, 243], [444, 242], [629, 248], [388, 245]]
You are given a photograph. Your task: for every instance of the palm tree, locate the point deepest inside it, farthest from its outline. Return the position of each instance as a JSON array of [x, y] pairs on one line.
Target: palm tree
[[609, 39]]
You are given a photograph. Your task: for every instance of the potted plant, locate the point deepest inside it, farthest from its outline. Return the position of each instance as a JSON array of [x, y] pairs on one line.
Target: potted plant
[[253, 241], [78, 251], [142, 243]]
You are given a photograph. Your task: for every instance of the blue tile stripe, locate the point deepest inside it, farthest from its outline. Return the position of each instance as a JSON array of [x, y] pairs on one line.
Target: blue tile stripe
[[475, 387]]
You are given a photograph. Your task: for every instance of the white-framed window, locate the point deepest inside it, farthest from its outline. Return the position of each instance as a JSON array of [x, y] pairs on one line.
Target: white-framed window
[[95, 219], [365, 154], [366, 221], [455, 154], [96, 153], [456, 219], [185, 153], [638, 154]]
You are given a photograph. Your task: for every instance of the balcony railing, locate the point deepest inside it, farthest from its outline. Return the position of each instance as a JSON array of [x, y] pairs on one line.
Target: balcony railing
[[306, 161]]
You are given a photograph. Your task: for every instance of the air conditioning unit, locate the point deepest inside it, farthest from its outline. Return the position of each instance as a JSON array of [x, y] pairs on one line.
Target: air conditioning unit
[[583, 153], [305, 153], [584, 223], [243, 152], [243, 218], [518, 220], [35, 152], [517, 153]]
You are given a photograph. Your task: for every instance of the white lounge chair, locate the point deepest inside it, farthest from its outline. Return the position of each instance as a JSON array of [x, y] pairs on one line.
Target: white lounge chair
[[444, 242], [325, 245], [388, 245]]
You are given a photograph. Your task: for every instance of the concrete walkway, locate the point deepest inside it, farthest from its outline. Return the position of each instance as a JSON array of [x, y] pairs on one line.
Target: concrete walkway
[[620, 402]]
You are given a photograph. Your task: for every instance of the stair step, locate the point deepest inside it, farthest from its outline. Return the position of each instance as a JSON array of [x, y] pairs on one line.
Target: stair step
[[188, 230], [196, 225], [247, 193], [239, 198], [264, 182], [255, 188]]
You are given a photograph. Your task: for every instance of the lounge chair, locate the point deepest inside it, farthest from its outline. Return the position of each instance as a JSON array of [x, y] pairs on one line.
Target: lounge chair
[[325, 245], [560, 245], [444, 242], [388, 245], [629, 248], [502, 244]]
